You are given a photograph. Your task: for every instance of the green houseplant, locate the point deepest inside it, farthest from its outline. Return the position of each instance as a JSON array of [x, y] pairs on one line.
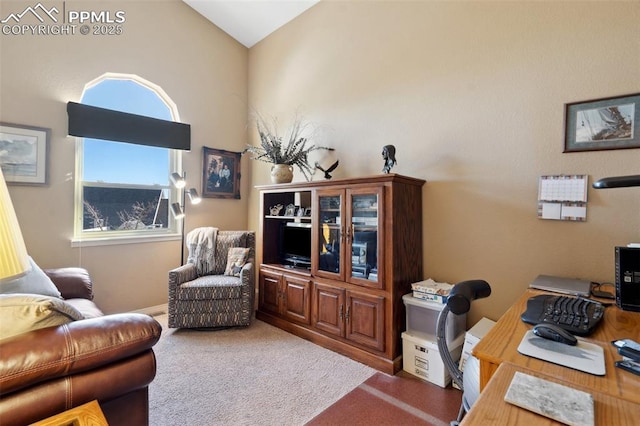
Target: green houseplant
[[291, 151]]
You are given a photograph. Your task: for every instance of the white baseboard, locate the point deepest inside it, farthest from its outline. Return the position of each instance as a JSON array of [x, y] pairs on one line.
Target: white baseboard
[[154, 310]]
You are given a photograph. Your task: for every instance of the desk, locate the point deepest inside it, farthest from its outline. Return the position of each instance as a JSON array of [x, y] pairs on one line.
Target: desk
[[491, 409], [501, 343]]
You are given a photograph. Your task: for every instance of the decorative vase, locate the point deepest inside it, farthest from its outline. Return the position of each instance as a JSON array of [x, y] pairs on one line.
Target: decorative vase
[[281, 173]]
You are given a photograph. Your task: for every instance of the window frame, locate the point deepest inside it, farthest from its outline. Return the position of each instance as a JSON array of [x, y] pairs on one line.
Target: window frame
[[95, 238]]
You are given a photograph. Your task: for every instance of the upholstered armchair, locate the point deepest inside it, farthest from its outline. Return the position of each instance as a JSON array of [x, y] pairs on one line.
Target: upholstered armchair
[[216, 287]]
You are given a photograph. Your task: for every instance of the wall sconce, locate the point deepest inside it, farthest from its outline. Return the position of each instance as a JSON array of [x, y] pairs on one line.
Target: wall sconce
[[179, 211]]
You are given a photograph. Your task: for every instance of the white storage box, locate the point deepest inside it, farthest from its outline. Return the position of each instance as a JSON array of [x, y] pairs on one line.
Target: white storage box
[[422, 359], [473, 336], [422, 320]]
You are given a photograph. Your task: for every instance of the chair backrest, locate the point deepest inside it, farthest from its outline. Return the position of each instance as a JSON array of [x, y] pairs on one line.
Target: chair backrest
[[228, 239]]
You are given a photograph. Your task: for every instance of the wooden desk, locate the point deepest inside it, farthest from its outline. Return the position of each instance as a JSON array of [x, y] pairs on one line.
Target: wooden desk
[[491, 409], [501, 343]]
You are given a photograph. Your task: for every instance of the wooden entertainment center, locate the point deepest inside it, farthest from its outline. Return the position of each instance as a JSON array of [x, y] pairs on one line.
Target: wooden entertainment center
[[344, 292]]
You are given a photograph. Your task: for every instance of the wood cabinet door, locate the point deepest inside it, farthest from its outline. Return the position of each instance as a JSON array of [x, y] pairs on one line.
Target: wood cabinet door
[[365, 319], [297, 299], [329, 234], [328, 309], [364, 264], [269, 292]]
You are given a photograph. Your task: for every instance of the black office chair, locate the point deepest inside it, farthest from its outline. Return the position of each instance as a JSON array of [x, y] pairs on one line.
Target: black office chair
[[458, 303]]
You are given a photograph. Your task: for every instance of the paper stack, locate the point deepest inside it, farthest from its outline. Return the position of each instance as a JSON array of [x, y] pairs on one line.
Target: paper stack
[[431, 290]]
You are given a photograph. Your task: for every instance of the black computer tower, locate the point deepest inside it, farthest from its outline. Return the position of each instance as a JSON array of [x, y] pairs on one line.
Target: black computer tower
[[628, 278]]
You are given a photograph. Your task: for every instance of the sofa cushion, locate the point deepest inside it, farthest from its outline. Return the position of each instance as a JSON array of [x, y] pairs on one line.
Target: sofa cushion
[[72, 282], [35, 281], [20, 313], [236, 259], [86, 307]]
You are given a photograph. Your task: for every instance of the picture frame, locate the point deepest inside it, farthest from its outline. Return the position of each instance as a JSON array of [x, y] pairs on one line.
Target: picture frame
[[290, 210], [25, 154], [602, 124], [220, 173]]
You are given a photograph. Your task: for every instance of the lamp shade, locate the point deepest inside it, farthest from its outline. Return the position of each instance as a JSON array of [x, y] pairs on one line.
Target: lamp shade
[[193, 196], [177, 180], [177, 211], [14, 259]]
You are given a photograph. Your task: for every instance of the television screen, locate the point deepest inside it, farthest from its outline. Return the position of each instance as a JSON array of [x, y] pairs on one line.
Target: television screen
[[296, 245]]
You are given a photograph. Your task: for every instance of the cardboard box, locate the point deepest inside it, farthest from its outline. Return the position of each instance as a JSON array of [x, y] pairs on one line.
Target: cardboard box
[[421, 358], [473, 336]]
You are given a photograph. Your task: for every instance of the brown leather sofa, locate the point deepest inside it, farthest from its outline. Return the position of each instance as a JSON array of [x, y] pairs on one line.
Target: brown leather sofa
[[108, 358]]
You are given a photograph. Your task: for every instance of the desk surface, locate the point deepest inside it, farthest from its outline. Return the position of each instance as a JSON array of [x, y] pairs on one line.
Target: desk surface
[[501, 345], [491, 408]]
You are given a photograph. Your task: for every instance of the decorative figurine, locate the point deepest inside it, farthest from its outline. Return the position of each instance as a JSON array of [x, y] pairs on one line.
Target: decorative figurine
[[329, 170], [275, 210], [389, 155]]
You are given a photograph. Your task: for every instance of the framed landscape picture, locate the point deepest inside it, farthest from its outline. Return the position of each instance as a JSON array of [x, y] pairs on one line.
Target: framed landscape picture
[[24, 153], [599, 124], [220, 173]]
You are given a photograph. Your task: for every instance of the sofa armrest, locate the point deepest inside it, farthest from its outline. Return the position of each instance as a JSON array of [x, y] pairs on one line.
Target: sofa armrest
[[73, 283], [53, 352]]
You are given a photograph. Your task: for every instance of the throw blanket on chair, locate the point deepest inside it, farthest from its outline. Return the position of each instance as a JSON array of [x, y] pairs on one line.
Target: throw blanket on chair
[[201, 243]]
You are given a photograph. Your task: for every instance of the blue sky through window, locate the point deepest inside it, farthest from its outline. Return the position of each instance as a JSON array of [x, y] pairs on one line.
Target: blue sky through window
[[116, 162]]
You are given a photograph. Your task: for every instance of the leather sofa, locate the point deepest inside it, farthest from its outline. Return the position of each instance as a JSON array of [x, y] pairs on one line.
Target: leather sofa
[[108, 358]]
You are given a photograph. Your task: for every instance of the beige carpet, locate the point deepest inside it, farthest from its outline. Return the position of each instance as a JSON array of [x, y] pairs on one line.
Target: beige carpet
[[258, 375]]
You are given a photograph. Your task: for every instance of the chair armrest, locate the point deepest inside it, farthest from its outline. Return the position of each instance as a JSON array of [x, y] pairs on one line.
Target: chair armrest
[[182, 274], [247, 275], [73, 283], [53, 352]]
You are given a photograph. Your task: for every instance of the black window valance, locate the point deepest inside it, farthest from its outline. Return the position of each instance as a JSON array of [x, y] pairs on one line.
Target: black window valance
[[100, 123]]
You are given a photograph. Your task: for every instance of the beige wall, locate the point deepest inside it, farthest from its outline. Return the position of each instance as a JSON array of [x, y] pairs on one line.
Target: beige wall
[[472, 95], [200, 67]]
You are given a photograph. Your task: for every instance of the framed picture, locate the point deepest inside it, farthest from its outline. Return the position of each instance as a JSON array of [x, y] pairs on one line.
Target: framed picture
[[24, 153], [220, 173], [290, 210], [609, 123]]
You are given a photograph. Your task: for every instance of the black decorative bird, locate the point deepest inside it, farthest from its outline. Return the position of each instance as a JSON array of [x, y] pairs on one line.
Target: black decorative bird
[[329, 170]]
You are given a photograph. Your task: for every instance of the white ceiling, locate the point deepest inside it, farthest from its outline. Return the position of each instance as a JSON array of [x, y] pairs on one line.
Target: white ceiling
[[249, 21]]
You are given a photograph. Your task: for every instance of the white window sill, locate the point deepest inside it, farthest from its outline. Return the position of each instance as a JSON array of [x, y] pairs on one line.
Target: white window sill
[[118, 240]]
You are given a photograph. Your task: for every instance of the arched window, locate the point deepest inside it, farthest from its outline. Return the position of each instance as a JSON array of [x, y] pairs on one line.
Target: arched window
[[123, 189]]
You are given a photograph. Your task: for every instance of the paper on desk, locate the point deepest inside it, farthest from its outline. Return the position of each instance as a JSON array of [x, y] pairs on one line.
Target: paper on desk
[[562, 403], [584, 356]]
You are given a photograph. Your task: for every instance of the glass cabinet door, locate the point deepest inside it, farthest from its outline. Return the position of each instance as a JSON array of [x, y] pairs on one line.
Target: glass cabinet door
[[364, 236], [330, 232]]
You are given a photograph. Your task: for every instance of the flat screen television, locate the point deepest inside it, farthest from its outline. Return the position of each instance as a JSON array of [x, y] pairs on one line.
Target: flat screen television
[[295, 246]]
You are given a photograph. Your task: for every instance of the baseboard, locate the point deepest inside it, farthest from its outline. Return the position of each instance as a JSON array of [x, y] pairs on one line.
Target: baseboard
[[154, 310]]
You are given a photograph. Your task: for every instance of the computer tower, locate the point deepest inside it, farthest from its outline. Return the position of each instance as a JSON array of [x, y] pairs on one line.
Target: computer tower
[[628, 278]]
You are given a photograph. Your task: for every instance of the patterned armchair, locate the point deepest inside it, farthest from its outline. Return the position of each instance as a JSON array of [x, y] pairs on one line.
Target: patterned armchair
[[214, 288]]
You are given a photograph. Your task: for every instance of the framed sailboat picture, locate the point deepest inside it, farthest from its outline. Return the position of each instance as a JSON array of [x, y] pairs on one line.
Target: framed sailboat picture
[[24, 153], [599, 124]]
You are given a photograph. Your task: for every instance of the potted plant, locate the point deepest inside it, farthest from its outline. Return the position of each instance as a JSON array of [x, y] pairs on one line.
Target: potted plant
[[283, 154]]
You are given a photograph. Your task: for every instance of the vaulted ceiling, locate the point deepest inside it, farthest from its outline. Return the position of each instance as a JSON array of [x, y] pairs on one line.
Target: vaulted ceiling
[[249, 21]]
